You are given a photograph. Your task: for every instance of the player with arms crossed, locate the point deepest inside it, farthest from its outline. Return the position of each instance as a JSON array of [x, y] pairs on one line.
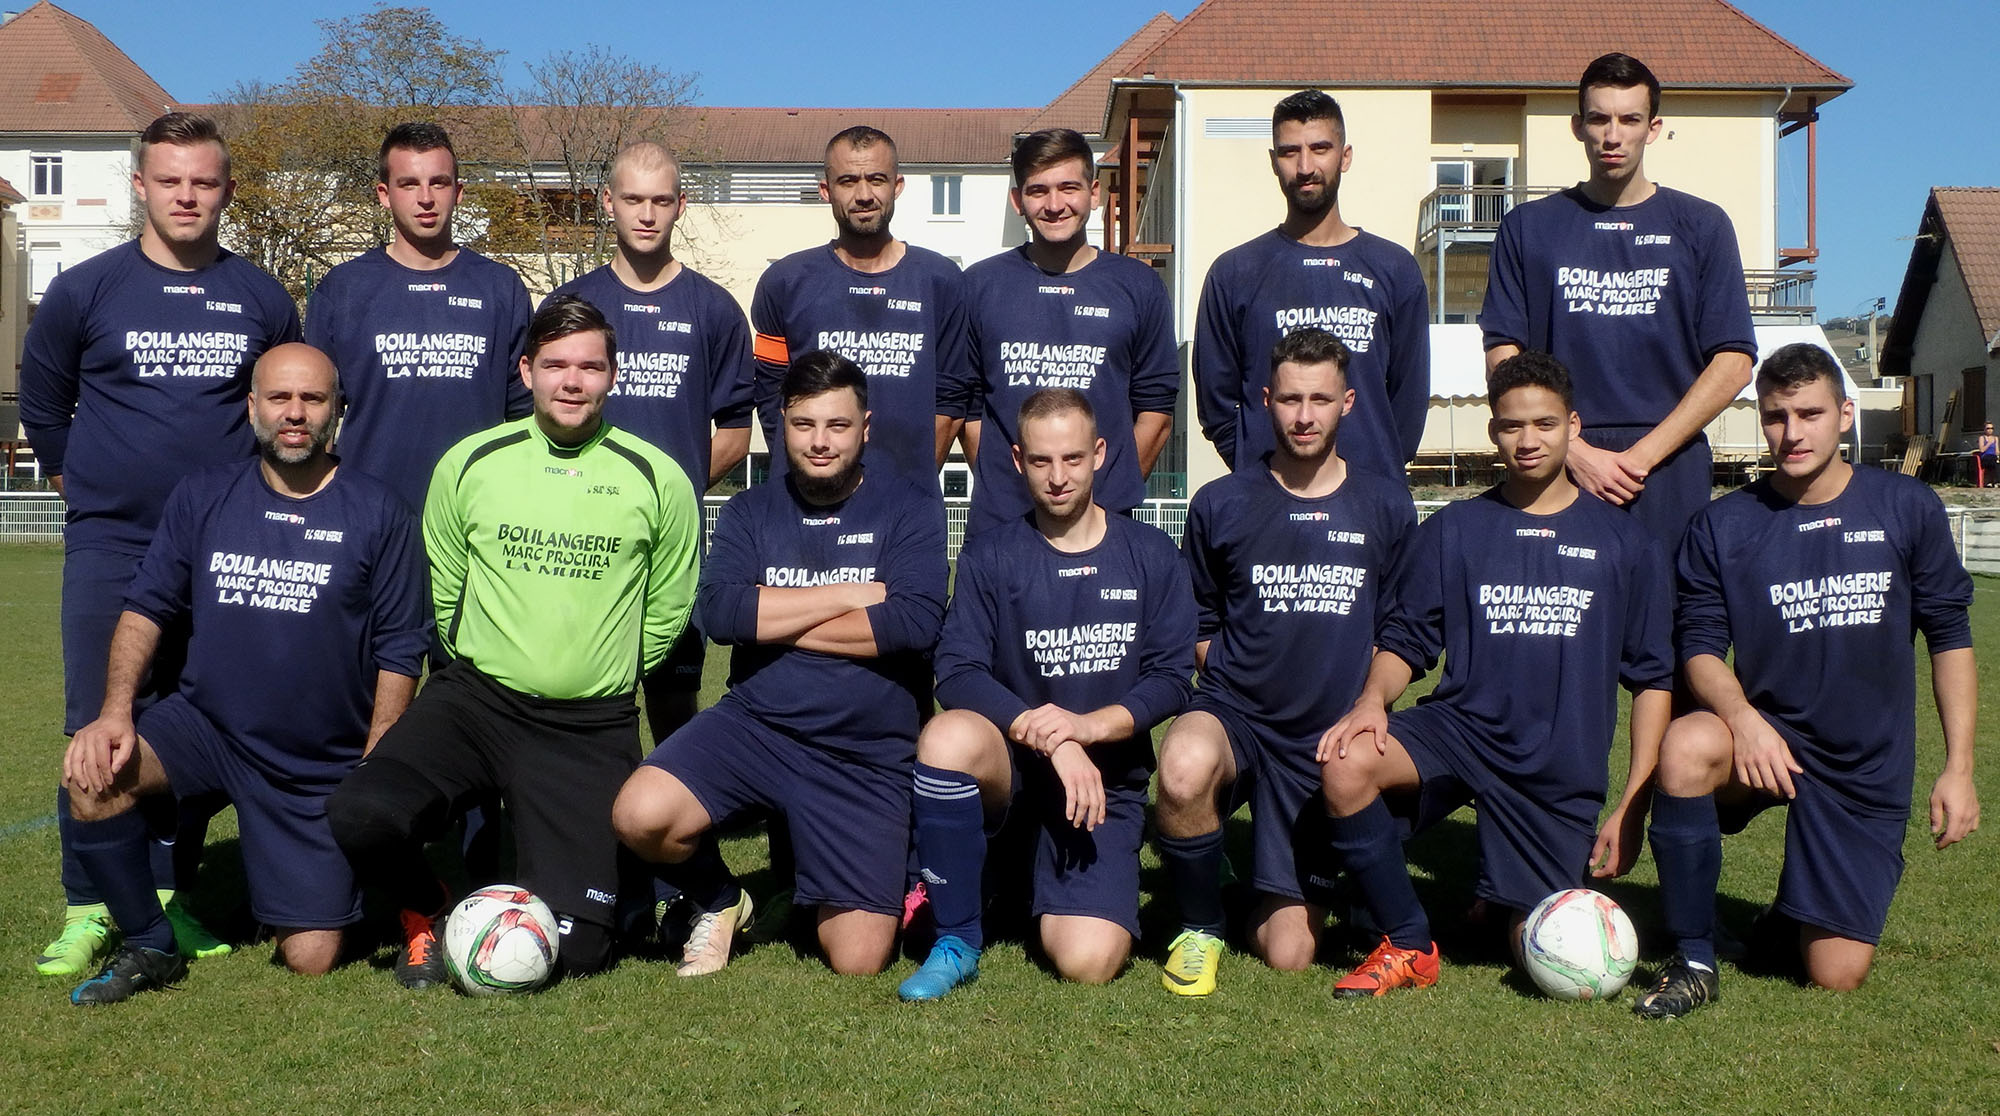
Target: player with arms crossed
[[1542, 599], [894, 309], [563, 560], [1056, 312], [683, 362], [425, 331], [1819, 577], [133, 376], [1315, 271], [1070, 635], [830, 586], [1289, 562], [1638, 290], [290, 568]]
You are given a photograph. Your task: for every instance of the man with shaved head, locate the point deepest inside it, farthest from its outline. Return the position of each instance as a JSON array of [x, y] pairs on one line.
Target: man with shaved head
[[288, 568]]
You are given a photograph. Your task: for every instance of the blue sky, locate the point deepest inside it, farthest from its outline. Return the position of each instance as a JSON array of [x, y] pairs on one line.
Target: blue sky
[[1882, 145]]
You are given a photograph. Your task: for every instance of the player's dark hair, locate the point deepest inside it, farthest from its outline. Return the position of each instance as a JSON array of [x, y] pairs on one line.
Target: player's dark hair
[[818, 372], [1619, 71], [1306, 106], [421, 135], [183, 129], [860, 137], [1050, 402], [1038, 151], [1311, 345], [564, 315], [1798, 364], [1529, 368]]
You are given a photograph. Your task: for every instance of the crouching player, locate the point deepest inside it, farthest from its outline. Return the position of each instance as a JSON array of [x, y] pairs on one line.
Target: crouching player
[[1819, 576], [830, 585], [304, 586], [1542, 599], [1288, 560], [1070, 635]]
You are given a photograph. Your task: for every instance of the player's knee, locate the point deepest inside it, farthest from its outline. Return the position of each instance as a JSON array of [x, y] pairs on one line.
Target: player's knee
[[1287, 952], [373, 809], [1190, 769], [952, 740], [651, 817], [1091, 959], [1844, 976], [1349, 782], [856, 946], [90, 806], [309, 952], [1695, 755]]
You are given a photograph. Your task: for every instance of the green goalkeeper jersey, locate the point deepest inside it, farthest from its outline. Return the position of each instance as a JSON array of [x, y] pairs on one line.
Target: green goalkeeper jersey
[[562, 572]]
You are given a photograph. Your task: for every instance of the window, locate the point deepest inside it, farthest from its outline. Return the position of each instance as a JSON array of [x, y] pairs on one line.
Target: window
[[944, 194], [45, 176]]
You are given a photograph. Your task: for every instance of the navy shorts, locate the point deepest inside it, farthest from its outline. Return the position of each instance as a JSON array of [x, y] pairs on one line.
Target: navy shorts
[[1074, 871], [297, 876], [1287, 811], [1843, 859], [1526, 850], [93, 597], [1677, 488], [850, 819]]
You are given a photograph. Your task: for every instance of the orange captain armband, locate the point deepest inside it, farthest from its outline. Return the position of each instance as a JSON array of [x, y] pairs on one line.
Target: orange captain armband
[[770, 350]]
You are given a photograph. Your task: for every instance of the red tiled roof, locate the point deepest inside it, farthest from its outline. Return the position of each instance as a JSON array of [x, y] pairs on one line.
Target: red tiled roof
[[1972, 223], [8, 194], [1081, 106], [781, 135], [1495, 43], [60, 74]]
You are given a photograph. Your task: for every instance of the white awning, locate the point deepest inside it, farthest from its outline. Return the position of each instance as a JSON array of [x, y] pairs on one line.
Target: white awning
[[1458, 358]]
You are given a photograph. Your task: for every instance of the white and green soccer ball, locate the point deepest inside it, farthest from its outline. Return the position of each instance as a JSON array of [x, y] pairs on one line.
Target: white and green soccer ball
[[1579, 945], [500, 939]]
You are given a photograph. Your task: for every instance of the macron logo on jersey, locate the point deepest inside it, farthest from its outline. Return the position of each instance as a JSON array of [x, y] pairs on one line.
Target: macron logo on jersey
[[873, 292], [1534, 532], [426, 287], [1310, 517], [183, 289], [285, 517], [641, 308], [1320, 261], [1077, 571], [1819, 524], [1055, 289], [1614, 226], [819, 521]]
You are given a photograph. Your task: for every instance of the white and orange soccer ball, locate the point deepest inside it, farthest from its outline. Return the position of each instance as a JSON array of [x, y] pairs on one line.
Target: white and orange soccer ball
[[500, 939], [1579, 945]]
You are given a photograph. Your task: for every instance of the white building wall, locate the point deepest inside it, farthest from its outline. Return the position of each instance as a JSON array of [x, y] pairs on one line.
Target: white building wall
[[1948, 342], [91, 213]]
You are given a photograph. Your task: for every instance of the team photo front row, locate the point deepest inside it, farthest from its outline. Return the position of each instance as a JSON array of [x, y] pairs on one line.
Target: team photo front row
[[924, 739]]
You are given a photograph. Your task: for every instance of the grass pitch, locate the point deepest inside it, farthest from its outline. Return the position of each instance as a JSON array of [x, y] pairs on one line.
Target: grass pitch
[[777, 1033]]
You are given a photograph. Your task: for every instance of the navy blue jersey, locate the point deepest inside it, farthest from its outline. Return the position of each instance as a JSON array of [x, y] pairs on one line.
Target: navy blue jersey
[[889, 531], [1367, 292], [425, 358], [683, 361], [1105, 330], [1031, 625], [1634, 300], [295, 603], [134, 375], [1539, 618], [1822, 603], [905, 327], [1285, 583]]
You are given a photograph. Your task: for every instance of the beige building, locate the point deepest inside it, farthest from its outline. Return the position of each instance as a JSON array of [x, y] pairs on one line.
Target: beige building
[[1946, 336]]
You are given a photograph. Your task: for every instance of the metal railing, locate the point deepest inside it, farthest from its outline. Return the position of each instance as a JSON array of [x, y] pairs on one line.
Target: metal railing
[[1789, 291], [1472, 208]]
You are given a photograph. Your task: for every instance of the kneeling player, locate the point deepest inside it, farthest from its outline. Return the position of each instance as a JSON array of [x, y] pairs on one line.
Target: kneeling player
[[830, 584], [1071, 634], [1288, 560], [1819, 576], [1542, 599], [289, 568]]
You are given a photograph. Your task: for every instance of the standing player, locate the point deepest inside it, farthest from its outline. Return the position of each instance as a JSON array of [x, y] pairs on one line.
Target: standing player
[[292, 568], [892, 308], [1819, 576], [133, 376], [684, 361], [1315, 271], [1638, 289], [1056, 312], [563, 557], [1542, 599], [425, 332], [830, 584], [1070, 635], [1288, 561]]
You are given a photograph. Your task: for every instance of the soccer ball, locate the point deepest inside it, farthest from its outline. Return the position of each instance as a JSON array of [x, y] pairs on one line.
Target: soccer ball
[[1578, 945], [500, 939]]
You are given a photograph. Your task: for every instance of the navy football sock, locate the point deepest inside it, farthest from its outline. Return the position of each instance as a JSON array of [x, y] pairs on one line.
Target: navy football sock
[[704, 878], [113, 852], [951, 849], [77, 888], [1194, 867], [1366, 844], [1687, 848]]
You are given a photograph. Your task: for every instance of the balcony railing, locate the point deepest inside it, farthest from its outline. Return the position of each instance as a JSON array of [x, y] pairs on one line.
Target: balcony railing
[[1787, 293], [1471, 209]]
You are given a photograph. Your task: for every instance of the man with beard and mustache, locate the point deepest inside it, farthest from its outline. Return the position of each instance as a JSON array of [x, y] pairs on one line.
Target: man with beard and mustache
[[1288, 562], [290, 567], [1070, 635], [1314, 270], [891, 307], [830, 586]]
